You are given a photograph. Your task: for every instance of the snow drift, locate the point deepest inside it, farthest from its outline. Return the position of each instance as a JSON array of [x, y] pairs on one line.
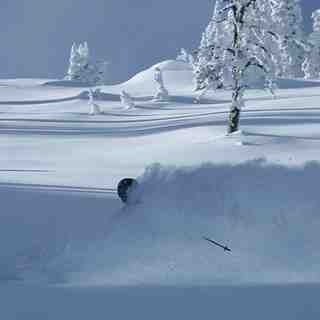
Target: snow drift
[[267, 214]]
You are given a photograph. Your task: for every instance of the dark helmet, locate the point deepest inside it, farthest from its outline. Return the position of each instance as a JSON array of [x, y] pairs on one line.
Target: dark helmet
[[124, 187]]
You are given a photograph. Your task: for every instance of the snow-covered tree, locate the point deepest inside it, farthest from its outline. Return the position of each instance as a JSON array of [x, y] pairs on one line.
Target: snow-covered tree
[[84, 52], [288, 22], [96, 73], [184, 56], [284, 43], [247, 51], [81, 69], [311, 64], [77, 63], [209, 59]]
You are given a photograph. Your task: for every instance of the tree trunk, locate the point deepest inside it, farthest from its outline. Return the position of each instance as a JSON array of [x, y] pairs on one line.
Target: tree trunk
[[237, 102], [234, 117]]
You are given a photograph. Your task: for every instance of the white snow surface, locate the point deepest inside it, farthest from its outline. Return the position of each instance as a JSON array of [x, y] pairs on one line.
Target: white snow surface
[[70, 250]]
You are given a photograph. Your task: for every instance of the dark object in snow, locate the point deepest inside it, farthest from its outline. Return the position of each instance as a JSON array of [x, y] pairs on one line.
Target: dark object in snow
[[225, 248], [124, 187]]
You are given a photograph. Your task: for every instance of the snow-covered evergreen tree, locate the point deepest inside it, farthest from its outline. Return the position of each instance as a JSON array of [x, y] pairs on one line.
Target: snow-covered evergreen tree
[[77, 63], [81, 69], [209, 59], [247, 50], [184, 56], [284, 43], [288, 23], [311, 64], [84, 52]]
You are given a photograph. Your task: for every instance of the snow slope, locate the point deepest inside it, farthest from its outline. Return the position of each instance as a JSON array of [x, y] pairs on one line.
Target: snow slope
[[69, 249]]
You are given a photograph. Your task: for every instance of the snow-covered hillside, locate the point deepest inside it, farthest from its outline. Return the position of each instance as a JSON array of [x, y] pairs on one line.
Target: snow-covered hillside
[[69, 246]]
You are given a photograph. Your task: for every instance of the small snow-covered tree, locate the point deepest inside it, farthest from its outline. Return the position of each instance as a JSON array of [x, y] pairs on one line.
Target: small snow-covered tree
[[184, 56], [311, 64], [95, 73], [81, 69], [288, 25], [162, 93], [94, 108]]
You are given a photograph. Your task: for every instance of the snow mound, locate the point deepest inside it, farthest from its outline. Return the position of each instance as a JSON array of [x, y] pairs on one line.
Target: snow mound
[[177, 75]]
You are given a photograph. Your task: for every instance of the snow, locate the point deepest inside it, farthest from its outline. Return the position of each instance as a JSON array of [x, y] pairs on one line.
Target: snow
[[286, 302], [70, 250]]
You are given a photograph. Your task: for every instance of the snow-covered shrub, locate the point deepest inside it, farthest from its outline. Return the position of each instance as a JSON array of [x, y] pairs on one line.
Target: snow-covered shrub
[[126, 100], [162, 93], [94, 108]]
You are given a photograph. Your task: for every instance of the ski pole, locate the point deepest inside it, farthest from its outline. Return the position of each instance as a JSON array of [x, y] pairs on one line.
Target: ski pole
[[225, 248]]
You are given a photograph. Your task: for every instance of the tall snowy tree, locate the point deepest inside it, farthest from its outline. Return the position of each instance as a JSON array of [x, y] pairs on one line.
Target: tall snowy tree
[[247, 52], [311, 64], [288, 22], [211, 65], [209, 59]]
